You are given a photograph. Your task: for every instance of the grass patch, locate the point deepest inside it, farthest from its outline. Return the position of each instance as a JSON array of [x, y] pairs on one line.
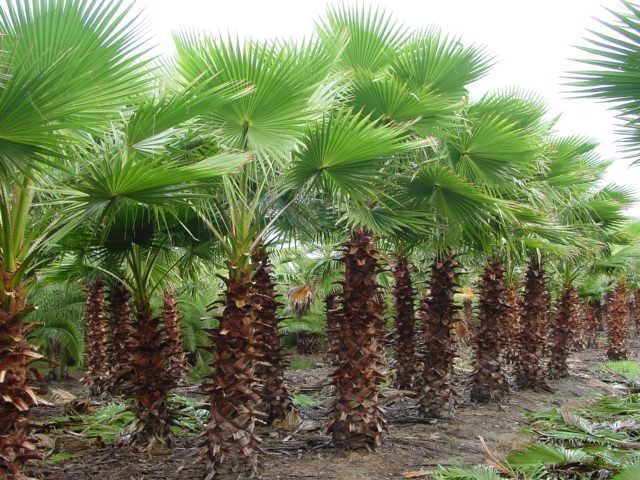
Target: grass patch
[[601, 440], [62, 456], [625, 368], [306, 400], [302, 363]]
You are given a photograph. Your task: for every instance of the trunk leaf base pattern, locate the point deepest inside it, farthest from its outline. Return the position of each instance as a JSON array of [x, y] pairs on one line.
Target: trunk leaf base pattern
[[405, 343], [617, 313], [16, 396], [489, 381], [358, 419], [438, 312], [565, 318], [230, 441], [97, 378], [276, 401], [532, 338]]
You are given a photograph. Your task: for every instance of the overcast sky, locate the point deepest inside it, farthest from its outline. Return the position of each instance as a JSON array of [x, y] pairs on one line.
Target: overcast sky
[[532, 42]]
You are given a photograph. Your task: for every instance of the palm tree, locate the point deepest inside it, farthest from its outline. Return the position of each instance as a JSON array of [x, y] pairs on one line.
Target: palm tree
[[565, 317], [77, 63], [341, 156], [133, 192], [242, 214]]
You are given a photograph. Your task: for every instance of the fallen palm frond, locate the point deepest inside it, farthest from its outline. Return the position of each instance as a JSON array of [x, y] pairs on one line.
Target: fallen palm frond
[[601, 440], [113, 420]]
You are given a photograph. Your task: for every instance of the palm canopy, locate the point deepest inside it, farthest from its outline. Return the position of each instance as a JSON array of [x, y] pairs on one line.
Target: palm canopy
[[612, 70], [77, 62], [260, 121]]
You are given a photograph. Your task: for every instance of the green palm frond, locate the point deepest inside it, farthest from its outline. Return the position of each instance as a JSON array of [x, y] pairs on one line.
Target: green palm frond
[[260, 121], [362, 38], [386, 97], [469, 473], [612, 71], [440, 64], [69, 65], [493, 150], [344, 152], [58, 317], [535, 455], [572, 162]]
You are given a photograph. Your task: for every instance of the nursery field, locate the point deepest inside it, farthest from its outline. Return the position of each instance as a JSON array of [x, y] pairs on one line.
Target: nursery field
[[414, 448], [452, 273]]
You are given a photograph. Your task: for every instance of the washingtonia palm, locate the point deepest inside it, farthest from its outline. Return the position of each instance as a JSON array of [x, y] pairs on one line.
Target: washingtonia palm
[[241, 217], [77, 62]]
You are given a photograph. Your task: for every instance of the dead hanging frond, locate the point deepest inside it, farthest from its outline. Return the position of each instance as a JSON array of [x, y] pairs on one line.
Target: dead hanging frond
[[301, 297]]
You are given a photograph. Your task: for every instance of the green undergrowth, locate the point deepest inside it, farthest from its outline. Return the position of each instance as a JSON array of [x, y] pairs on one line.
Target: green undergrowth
[[303, 400], [62, 456], [302, 363], [109, 421], [600, 441]]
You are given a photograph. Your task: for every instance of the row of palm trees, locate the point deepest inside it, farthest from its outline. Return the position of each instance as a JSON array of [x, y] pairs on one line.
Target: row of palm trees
[[125, 169]]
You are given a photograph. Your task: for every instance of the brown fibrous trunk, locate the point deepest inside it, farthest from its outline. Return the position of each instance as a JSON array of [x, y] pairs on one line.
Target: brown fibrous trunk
[[230, 441], [174, 347], [489, 381], [148, 380], [16, 395], [276, 401], [617, 313], [437, 313], [121, 332], [97, 378], [405, 320], [562, 331], [510, 326], [358, 420], [531, 340]]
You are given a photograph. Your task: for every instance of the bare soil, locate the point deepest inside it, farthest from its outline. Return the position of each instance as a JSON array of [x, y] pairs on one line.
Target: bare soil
[[305, 453]]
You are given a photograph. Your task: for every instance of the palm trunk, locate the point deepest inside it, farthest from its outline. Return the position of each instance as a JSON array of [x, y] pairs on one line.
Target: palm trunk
[[489, 381], [276, 401], [405, 324], [149, 380], [437, 313], [16, 396], [174, 348], [230, 442], [562, 332], [510, 326], [617, 312], [531, 341], [97, 377], [122, 333], [358, 420]]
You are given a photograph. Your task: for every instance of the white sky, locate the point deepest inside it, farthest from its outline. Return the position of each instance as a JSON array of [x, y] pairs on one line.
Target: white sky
[[532, 43]]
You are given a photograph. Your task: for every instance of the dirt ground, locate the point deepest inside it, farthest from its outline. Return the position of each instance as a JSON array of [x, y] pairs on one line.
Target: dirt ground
[[306, 452]]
